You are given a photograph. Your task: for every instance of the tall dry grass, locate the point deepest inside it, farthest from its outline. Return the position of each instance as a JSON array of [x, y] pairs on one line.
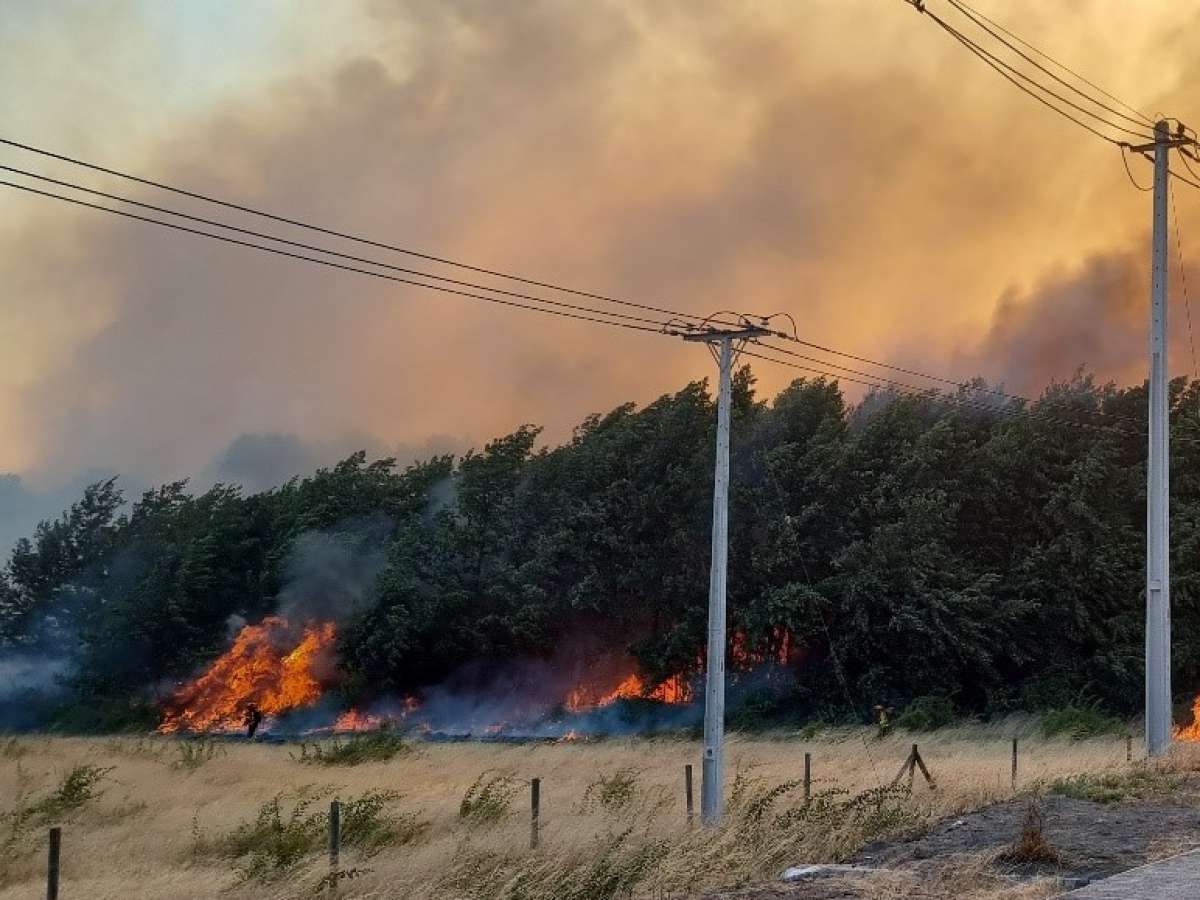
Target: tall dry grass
[[153, 830]]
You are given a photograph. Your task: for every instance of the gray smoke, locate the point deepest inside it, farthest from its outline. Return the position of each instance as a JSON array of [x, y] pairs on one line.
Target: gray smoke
[[23, 673], [331, 574]]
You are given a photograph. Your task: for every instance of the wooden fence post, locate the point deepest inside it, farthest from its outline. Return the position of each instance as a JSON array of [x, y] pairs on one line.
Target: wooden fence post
[[53, 860], [687, 790], [535, 809], [1129, 748], [910, 766], [807, 778], [1014, 765], [335, 832]]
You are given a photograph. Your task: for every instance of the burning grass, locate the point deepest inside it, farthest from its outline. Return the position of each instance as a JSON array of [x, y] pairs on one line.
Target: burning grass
[[612, 814]]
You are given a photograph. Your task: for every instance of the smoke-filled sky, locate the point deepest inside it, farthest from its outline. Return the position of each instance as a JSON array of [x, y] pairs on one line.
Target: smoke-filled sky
[[842, 160]]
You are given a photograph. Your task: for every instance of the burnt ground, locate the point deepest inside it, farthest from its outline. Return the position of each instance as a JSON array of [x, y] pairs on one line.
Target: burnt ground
[[1095, 840]]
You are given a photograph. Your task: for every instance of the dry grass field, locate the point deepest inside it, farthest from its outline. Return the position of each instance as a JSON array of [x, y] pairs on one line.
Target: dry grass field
[[162, 817]]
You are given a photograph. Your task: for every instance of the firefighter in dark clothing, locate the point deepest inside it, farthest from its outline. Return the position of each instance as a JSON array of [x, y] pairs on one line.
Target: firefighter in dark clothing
[[252, 718]]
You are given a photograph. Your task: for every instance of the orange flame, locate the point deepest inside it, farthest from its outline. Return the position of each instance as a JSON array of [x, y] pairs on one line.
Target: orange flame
[[744, 657], [673, 690], [1190, 732], [254, 670], [353, 720]]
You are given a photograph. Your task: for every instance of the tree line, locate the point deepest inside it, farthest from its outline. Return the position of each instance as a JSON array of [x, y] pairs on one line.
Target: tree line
[[988, 551]]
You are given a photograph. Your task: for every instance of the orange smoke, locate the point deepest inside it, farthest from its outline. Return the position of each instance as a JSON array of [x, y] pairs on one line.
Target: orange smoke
[[257, 669]]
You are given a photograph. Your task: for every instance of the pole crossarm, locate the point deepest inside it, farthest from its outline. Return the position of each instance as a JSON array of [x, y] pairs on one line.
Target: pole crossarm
[[713, 335]]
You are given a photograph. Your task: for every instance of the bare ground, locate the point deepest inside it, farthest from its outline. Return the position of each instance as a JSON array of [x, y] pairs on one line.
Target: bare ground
[[1096, 840]]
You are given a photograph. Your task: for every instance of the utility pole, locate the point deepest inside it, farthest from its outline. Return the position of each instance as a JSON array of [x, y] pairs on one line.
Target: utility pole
[[712, 784], [1158, 575]]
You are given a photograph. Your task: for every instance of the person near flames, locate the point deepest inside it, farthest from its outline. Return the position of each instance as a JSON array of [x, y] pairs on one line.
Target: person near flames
[[253, 717], [883, 720]]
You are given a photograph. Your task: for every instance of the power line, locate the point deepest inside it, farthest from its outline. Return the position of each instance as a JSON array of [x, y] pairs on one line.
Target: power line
[[1183, 280], [1132, 180], [872, 362], [1005, 411], [324, 262], [880, 384], [195, 195], [1065, 68], [583, 313], [1187, 181], [991, 28], [902, 384], [1001, 66], [312, 247], [216, 223], [470, 286]]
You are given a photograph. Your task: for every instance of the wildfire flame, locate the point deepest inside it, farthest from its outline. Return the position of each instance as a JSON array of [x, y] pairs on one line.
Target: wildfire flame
[[265, 666], [743, 656], [673, 690], [356, 720], [1190, 732]]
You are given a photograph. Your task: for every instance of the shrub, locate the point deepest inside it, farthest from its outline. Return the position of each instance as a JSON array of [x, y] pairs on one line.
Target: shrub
[[1079, 721], [1116, 787], [280, 836], [78, 788], [612, 792], [1031, 846], [367, 826], [927, 714], [12, 749], [275, 841], [371, 746], [488, 798], [811, 729], [192, 755]]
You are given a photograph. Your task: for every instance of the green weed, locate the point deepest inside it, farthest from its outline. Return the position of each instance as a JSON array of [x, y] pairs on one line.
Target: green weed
[[927, 714], [291, 827], [1115, 787], [488, 798], [12, 749], [371, 746], [612, 792], [1079, 721], [191, 755], [78, 788]]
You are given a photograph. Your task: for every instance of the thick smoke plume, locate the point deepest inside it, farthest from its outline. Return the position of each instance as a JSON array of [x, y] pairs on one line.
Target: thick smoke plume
[[843, 161]]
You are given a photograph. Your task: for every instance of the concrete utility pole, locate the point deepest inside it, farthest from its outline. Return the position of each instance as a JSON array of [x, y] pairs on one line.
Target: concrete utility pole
[[1158, 575], [712, 785]]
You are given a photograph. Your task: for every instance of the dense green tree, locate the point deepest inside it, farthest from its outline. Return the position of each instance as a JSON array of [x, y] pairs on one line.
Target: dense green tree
[[988, 550]]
